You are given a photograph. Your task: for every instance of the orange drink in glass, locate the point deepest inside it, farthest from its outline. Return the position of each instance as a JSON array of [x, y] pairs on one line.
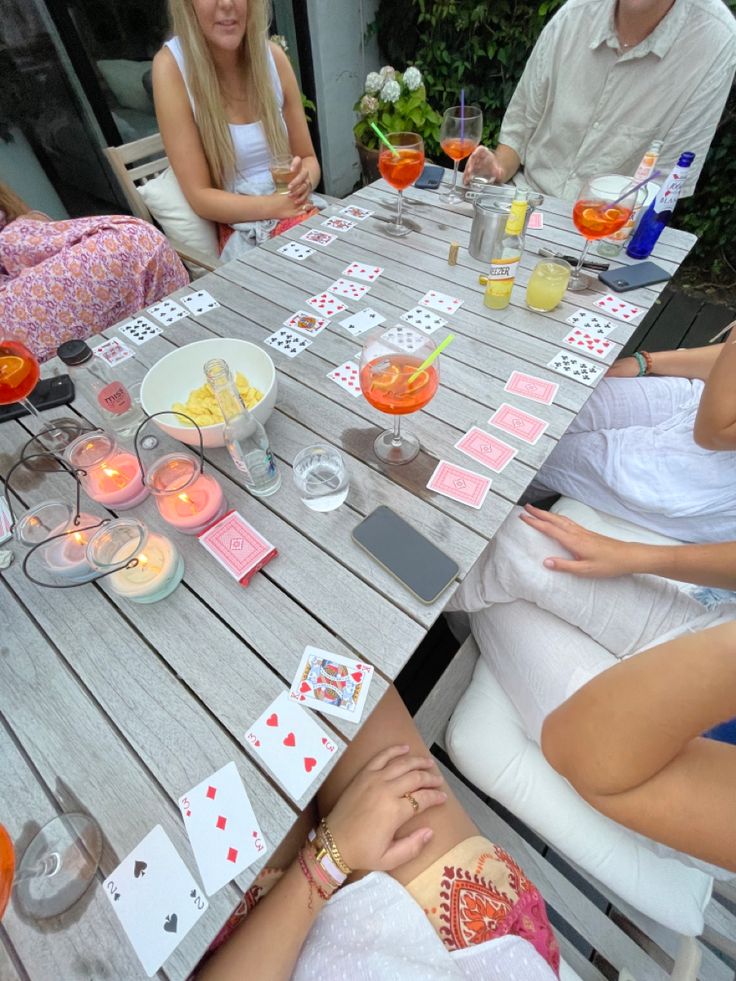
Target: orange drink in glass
[[604, 205], [7, 869], [400, 167], [460, 133]]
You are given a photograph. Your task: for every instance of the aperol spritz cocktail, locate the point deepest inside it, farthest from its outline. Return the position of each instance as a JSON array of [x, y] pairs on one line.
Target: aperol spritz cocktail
[[598, 213], [400, 167], [7, 868], [460, 133], [392, 382]]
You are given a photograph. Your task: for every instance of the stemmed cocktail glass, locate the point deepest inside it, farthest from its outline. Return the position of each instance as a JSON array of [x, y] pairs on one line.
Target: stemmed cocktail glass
[[19, 374], [460, 134], [391, 383], [56, 868], [598, 213], [400, 167]]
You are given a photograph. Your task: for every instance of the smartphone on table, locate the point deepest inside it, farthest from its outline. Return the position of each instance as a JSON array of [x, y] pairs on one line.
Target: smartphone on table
[[404, 552], [625, 278], [430, 178], [48, 394]]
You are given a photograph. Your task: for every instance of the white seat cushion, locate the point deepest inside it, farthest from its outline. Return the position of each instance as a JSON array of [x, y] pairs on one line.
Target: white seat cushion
[[166, 202], [487, 742]]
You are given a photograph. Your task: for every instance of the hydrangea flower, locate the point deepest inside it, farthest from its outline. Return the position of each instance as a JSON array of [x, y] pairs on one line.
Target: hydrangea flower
[[412, 78], [387, 72], [368, 105], [373, 83], [391, 91]]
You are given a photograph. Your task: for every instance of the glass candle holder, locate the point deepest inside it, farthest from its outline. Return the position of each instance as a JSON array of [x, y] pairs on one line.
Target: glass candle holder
[[186, 498], [112, 476], [61, 558], [152, 567]]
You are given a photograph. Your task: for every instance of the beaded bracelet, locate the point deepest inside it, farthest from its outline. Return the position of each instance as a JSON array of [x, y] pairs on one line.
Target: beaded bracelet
[[332, 848], [310, 879], [639, 358]]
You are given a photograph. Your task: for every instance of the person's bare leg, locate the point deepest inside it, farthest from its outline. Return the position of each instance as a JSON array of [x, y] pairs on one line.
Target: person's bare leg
[[629, 742], [391, 725]]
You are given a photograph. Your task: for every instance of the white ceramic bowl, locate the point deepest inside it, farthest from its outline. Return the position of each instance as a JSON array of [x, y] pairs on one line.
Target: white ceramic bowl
[[176, 375]]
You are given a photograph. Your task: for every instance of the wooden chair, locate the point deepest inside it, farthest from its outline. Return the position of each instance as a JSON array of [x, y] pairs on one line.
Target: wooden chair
[[137, 162]]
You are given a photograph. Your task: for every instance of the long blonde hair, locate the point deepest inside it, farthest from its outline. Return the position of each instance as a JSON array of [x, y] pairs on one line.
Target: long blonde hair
[[11, 205], [207, 95]]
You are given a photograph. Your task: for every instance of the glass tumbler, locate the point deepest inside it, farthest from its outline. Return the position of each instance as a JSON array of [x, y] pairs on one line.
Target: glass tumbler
[[547, 284], [321, 477]]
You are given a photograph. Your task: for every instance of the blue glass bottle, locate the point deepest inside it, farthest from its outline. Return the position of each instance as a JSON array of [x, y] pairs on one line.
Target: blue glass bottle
[[658, 214]]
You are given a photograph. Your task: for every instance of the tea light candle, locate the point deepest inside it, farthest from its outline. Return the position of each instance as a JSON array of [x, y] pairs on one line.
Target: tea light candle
[[158, 567], [187, 499], [65, 556], [112, 476]]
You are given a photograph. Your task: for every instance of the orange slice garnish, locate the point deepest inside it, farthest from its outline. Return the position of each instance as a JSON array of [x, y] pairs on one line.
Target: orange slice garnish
[[386, 379], [420, 381], [12, 369]]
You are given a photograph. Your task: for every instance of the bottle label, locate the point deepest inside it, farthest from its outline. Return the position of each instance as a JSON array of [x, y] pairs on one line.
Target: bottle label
[[669, 192], [515, 221], [114, 398], [502, 269]]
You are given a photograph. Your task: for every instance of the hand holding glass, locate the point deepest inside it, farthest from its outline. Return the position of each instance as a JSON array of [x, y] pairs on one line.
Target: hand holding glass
[[460, 133]]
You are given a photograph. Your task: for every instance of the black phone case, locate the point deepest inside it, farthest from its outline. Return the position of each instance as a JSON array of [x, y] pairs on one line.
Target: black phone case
[[430, 178], [625, 278], [48, 394]]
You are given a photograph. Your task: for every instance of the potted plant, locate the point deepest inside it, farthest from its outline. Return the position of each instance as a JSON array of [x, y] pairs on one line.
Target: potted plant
[[395, 102]]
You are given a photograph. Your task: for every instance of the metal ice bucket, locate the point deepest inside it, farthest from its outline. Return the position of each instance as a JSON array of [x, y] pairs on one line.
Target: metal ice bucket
[[491, 209]]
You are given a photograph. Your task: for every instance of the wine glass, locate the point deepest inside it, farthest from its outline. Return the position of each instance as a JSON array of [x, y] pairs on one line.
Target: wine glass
[[56, 869], [19, 374], [400, 167], [391, 382], [602, 208], [460, 133]]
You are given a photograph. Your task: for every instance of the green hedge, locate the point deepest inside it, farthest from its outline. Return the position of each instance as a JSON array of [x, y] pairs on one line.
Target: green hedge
[[484, 46]]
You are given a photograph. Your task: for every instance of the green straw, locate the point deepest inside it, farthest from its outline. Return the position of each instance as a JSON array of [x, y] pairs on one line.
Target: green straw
[[383, 139], [428, 361]]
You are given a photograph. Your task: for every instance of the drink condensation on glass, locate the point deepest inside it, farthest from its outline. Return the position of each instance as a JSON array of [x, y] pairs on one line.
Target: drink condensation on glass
[[320, 477], [282, 173], [547, 284]]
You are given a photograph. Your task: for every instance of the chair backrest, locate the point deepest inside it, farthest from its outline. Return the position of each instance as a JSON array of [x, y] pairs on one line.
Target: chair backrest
[[134, 163]]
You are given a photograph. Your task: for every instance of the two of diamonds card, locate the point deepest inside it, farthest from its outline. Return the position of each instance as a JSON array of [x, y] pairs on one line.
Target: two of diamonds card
[[139, 330], [222, 827], [156, 899], [307, 322], [531, 387], [167, 312], [288, 342], [199, 302], [360, 270], [291, 745], [440, 301], [332, 683], [293, 250], [362, 321], [423, 319], [459, 484], [518, 423], [576, 368], [486, 449], [347, 376]]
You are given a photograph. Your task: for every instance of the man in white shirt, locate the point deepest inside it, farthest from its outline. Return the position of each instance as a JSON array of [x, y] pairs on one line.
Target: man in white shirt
[[605, 79]]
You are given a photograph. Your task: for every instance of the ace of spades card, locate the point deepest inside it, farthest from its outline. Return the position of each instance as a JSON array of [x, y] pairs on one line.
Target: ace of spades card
[[156, 899], [332, 683], [291, 744]]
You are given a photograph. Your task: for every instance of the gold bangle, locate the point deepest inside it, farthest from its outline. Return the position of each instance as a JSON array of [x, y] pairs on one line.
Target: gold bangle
[[332, 848]]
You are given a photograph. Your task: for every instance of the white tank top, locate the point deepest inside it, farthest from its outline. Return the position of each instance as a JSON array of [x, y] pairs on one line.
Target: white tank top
[[252, 153]]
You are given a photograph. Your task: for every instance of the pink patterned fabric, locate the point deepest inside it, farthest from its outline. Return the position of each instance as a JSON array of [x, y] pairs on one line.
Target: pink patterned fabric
[[62, 280]]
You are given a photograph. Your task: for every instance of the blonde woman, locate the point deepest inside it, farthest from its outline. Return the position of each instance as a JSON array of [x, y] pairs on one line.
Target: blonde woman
[[227, 102]]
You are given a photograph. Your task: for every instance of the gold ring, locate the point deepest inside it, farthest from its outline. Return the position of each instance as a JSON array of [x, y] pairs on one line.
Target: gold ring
[[413, 801]]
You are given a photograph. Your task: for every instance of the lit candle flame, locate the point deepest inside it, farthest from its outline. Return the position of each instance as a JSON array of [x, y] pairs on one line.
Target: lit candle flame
[[115, 475], [185, 499], [79, 538]]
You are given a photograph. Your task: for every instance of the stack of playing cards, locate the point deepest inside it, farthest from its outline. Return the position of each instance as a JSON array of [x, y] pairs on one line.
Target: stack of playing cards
[[237, 546]]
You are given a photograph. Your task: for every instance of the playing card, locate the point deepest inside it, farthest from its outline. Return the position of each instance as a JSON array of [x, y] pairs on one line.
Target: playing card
[[288, 342], [536, 220], [339, 224], [531, 387], [167, 311], [222, 828], [359, 214], [237, 546], [598, 326], [295, 251], [581, 340], [326, 304], [139, 330], [459, 484], [423, 319], [291, 744], [486, 449], [199, 302], [440, 301], [347, 376], [5, 521], [332, 683], [518, 423], [301, 320], [405, 338], [359, 270], [344, 287], [156, 899], [619, 309], [317, 237], [360, 322], [576, 368], [113, 351]]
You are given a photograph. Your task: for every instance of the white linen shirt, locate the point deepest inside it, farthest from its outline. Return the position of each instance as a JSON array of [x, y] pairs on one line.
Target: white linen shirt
[[582, 107]]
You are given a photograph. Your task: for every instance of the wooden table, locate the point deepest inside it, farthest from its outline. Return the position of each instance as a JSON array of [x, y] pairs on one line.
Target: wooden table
[[117, 709]]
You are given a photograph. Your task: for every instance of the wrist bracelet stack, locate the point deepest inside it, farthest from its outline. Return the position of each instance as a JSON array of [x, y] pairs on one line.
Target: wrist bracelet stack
[[644, 360], [322, 864]]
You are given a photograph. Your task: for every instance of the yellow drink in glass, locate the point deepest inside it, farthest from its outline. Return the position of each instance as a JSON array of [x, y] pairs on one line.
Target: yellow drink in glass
[[547, 284]]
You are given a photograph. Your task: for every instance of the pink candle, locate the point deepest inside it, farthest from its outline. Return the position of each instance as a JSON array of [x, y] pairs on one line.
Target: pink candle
[[117, 482], [193, 509]]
